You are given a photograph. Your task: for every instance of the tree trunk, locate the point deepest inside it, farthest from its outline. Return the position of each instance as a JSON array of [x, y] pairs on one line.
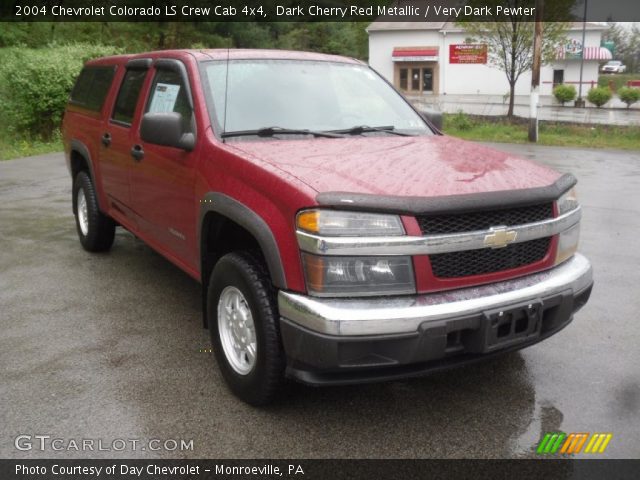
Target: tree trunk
[[161, 35], [512, 95]]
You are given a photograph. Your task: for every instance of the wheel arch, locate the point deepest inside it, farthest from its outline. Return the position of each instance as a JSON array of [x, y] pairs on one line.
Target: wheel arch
[[226, 225], [80, 160]]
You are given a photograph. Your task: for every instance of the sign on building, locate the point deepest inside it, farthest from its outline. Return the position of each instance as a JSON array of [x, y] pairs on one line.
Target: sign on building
[[573, 49], [467, 53]]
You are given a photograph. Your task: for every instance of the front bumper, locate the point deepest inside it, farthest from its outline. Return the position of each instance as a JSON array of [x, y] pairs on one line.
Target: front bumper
[[338, 341]]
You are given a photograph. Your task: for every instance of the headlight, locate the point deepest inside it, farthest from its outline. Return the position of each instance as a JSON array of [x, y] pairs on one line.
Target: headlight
[[568, 243], [567, 240], [336, 223], [358, 276], [568, 202]]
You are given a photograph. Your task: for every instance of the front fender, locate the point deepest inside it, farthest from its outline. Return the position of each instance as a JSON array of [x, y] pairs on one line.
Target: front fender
[[253, 223]]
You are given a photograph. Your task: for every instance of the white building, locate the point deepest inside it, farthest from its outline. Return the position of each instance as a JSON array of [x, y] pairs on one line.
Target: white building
[[436, 58]]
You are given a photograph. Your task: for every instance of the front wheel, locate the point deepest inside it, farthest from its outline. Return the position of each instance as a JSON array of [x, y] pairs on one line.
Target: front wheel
[[95, 230], [244, 327]]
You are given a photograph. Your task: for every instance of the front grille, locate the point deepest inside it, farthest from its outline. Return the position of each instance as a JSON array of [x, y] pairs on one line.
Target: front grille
[[483, 220], [488, 260]]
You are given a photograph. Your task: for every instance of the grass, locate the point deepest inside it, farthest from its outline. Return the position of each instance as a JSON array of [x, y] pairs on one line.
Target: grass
[[616, 80], [500, 130], [17, 147]]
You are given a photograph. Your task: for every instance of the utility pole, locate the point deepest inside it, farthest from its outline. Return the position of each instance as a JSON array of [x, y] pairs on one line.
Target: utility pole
[[535, 73], [580, 101]]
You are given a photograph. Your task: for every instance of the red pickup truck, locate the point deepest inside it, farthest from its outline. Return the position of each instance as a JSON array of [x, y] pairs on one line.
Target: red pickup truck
[[339, 236]]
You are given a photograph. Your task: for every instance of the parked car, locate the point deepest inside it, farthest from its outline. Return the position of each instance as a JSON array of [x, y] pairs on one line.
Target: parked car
[[338, 235], [613, 66]]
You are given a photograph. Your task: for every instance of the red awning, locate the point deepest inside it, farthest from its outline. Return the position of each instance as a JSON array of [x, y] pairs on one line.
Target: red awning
[[590, 53], [415, 52], [597, 53]]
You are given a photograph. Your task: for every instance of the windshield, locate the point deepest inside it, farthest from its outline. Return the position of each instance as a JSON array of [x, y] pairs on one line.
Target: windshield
[[304, 95]]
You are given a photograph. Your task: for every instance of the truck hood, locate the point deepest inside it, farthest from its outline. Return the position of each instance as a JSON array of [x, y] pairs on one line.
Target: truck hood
[[423, 166]]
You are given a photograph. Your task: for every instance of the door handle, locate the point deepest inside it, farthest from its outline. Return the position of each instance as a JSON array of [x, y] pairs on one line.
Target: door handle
[[106, 139], [137, 152]]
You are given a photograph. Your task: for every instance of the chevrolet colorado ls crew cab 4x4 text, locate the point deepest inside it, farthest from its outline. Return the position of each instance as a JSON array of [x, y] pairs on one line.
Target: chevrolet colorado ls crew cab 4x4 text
[[338, 235]]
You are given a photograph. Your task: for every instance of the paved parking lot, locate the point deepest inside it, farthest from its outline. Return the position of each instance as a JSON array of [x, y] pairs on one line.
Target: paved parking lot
[[108, 347]]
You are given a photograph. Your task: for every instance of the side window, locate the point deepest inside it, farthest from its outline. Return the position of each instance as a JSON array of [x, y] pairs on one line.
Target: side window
[[92, 87], [168, 94], [128, 96]]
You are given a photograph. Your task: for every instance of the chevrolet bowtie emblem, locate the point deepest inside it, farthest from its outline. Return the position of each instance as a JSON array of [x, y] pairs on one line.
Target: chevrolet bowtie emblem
[[500, 237]]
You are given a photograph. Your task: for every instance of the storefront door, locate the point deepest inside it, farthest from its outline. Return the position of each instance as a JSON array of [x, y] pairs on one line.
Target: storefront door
[[416, 79]]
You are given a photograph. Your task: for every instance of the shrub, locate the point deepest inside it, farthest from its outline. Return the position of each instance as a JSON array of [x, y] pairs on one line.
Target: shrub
[[565, 93], [599, 96], [35, 85], [461, 121], [629, 95]]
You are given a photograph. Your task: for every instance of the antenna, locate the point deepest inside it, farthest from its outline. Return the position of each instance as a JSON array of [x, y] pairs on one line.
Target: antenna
[[226, 93]]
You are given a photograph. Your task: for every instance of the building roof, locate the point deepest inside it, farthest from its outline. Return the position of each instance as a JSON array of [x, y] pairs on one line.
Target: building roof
[[384, 26], [380, 25]]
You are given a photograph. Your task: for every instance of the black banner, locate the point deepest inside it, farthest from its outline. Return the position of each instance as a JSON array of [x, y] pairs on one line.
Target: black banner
[[317, 469], [319, 10]]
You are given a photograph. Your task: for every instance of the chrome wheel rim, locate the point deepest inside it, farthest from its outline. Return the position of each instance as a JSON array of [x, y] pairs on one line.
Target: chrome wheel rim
[[237, 330], [83, 215]]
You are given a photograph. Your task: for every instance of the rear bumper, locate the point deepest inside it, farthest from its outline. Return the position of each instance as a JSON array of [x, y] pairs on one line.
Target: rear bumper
[[339, 341]]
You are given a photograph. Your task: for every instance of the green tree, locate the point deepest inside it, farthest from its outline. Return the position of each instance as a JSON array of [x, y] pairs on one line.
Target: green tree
[[35, 85], [510, 38], [565, 93], [629, 95], [626, 38], [343, 38], [40, 60], [599, 96]]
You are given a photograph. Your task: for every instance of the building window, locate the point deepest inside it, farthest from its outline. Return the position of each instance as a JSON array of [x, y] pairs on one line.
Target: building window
[[558, 77], [404, 77]]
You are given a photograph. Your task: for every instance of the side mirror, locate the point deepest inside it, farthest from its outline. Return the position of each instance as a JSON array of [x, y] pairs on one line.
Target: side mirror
[[166, 129], [432, 116]]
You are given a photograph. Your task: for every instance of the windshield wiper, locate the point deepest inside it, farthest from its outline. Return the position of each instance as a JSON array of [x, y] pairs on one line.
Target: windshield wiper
[[360, 129], [271, 131]]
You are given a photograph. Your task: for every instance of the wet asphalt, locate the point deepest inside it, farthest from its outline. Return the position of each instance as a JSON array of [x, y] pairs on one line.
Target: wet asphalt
[[109, 347]]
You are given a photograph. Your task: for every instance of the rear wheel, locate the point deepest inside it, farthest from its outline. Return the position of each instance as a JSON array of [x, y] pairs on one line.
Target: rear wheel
[[244, 327], [95, 230]]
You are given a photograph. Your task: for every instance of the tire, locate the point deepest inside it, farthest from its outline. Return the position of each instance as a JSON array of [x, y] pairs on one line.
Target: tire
[[95, 230], [240, 284]]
